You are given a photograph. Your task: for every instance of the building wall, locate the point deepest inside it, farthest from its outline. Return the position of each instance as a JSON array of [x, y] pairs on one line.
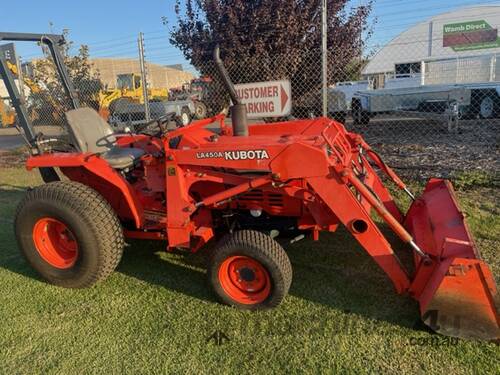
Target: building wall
[[158, 76]]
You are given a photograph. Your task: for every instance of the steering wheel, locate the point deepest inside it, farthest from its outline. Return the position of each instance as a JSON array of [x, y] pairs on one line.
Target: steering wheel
[[161, 123]]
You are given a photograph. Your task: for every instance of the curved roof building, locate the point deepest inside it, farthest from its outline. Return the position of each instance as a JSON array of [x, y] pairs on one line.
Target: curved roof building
[[462, 33]]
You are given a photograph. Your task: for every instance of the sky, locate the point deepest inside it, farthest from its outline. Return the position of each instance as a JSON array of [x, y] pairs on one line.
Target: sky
[[110, 28]]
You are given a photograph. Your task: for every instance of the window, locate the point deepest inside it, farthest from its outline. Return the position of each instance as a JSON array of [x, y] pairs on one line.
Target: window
[[137, 82], [124, 82], [408, 68]]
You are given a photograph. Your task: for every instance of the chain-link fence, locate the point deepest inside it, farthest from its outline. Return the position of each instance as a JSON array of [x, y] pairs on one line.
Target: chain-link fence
[[431, 117]]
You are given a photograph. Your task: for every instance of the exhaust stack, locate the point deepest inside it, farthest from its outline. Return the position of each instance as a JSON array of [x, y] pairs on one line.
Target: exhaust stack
[[238, 110]]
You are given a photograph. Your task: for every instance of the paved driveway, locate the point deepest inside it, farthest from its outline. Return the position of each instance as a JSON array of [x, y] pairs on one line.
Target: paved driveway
[[11, 139], [9, 142]]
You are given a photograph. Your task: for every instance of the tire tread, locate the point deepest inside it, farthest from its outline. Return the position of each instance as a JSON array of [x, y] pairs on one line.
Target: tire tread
[[97, 214]]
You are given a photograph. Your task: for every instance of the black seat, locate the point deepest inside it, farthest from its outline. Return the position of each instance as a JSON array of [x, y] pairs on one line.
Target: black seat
[[92, 134]]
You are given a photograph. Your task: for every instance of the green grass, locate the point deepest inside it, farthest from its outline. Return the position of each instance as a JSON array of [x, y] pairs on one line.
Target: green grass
[[155, 313]]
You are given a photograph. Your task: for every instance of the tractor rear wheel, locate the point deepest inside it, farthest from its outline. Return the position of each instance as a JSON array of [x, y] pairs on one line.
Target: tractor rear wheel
[[200, 110], [69, 234], [250, 270], [184, 119]]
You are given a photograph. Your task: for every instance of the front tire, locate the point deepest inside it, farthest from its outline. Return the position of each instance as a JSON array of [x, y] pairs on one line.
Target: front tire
[[69, 234], [250, 270]]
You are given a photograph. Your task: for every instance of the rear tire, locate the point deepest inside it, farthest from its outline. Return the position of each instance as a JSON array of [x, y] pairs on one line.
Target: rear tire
[[69, 234], [200, 110], [120, 105], [184, 119], [250, 270]]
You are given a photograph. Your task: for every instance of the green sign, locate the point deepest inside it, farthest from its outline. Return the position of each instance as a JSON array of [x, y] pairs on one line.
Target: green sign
[[471, 35]]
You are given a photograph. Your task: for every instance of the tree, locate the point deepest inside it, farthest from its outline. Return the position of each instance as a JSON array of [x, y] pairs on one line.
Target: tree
[[48, 101], [271, 39]]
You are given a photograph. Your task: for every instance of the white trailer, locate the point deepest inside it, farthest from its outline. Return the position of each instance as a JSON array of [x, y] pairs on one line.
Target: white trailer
[[425, 69], [451, 89]]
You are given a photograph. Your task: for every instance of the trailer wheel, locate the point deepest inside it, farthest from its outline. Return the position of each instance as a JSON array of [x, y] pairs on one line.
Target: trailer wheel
[[250, 270], [338, 116], [359, 116], [487, 107], [69, 234]]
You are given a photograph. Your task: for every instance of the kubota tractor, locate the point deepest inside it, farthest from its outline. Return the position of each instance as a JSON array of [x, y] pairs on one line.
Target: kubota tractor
[[188, 185]]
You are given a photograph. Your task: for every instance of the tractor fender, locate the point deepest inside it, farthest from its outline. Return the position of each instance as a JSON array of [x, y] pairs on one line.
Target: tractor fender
[[84, 168]]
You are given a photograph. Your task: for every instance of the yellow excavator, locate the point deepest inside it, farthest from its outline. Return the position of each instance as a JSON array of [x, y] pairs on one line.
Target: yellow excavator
[[7, 113], [129, 89]]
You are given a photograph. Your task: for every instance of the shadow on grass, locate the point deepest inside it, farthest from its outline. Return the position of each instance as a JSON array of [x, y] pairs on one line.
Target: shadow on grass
[[181, 272], [347, 280], [338, 273], [334, 272]]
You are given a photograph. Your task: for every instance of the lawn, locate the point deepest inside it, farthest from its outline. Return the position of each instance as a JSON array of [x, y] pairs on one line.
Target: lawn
[[156, 314]]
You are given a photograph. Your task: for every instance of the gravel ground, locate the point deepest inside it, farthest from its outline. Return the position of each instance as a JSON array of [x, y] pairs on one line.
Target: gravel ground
[[421, 148]]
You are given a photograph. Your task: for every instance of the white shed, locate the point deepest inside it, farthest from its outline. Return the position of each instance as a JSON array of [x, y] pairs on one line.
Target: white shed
[[464, 34]]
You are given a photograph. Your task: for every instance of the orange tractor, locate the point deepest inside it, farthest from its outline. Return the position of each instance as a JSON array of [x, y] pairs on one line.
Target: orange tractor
[[189, 185]]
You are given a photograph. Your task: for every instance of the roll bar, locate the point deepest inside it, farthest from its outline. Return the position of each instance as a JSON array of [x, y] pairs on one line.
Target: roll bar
[[54, 43]]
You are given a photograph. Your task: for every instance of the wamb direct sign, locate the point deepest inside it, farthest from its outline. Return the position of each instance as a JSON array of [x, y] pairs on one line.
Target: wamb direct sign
[[266, 99], [470, 35]]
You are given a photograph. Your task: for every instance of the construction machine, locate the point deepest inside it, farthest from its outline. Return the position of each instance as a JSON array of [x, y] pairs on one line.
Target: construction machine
[[129, 89], [186, 186], [197, 90], [7, 115], [47, 108]]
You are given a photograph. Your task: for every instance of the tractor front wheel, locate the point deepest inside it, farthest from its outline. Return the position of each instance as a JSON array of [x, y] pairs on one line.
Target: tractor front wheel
[[69, 234], [250, 270]]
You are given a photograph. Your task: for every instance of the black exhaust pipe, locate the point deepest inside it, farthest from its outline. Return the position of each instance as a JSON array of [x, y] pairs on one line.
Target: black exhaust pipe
[[238, 110]]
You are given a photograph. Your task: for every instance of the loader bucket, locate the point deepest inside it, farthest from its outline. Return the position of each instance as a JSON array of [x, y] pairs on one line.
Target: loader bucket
[[456, 289]]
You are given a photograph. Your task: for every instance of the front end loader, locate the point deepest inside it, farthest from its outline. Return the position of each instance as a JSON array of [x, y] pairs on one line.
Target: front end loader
[[190, 185]]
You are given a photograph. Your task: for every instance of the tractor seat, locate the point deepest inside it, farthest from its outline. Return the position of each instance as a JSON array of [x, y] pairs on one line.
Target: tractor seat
[[91, 133]]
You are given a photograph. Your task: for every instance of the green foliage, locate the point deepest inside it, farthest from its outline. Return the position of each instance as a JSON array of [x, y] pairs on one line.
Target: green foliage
[[268, 39]]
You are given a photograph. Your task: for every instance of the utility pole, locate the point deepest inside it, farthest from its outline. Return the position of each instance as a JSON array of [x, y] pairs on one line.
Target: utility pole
[[324, 57], [142, 63]]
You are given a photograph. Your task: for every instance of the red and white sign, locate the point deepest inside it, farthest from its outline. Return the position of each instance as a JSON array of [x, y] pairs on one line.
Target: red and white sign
[[266, 99]]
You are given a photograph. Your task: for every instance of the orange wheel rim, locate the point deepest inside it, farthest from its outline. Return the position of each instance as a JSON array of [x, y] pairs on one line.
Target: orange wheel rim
[[55, 243], [245, 280]]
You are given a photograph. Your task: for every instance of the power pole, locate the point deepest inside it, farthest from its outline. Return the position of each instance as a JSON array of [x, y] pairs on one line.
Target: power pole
[[144, 76], [324, 57]]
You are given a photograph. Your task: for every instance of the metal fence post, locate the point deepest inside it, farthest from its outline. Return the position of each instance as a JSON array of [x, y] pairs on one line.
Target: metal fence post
[[142, 63], [324, 58], [20, 78], [493, 63]]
